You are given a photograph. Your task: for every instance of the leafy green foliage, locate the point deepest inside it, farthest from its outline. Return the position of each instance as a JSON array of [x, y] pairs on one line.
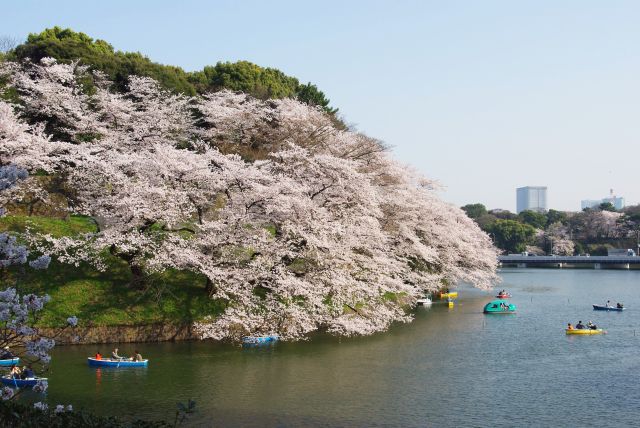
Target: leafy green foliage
[[475, 211], [533, 218], [310, 94], [512, 236], [606, 206], [247, 77], [503, 214], [554, 216], [66, 45]]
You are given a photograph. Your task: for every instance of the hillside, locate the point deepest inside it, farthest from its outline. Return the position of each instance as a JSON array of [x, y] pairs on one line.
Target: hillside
[[238, 214], [66, 45]]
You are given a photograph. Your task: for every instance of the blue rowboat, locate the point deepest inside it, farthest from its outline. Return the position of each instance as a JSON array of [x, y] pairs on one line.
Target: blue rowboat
[[21, 383], [105, 362], [9, 362], [499, 307], [607, 308], [254, 340]]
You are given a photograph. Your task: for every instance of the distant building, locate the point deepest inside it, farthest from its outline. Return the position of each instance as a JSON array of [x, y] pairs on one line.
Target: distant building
[[590, 203], [617, 202], [532, 198]]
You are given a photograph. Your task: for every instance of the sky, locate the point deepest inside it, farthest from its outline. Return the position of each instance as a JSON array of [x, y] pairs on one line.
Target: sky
[[481, 96]]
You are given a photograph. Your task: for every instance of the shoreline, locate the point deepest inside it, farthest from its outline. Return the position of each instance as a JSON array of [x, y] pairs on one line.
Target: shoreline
[[146, 333]]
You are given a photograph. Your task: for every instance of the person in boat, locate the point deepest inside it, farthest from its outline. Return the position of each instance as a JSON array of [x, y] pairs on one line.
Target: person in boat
[[98, 356], [136, 356], [27, 373], [619, 305], [115, 356], [6, 354], [15, 372], [569, 326], [580, 326], [591, 326], [608, 305]]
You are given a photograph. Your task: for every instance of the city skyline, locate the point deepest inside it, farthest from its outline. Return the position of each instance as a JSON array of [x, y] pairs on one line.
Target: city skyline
[[486, 97]]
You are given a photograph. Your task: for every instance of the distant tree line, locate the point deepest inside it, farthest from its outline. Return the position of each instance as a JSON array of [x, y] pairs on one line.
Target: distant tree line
[[66, 45], [592, 231]]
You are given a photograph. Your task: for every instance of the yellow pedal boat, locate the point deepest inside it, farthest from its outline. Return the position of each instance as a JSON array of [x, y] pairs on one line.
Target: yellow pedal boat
[[451, 295], [584, 331]]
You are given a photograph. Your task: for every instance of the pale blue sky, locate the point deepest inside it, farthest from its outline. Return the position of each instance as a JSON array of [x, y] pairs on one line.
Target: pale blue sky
[[483, 96]]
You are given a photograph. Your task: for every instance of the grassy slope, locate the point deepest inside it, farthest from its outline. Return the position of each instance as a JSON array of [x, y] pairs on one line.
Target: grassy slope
[[104, 298]]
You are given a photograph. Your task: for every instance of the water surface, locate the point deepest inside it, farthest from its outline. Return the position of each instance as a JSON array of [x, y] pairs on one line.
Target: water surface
[[450, 367]]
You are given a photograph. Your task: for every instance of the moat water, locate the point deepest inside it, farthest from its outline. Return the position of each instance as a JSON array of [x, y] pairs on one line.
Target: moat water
[[450, 367]]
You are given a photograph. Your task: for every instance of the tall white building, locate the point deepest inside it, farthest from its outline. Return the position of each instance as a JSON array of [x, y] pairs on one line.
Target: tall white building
[[532, 198]]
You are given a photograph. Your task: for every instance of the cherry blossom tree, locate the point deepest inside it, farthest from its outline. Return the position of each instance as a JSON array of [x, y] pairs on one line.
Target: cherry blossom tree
[[297, 225], [558, 236]]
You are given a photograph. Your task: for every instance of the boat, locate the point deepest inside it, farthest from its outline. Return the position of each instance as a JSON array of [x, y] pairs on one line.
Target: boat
[[254, 340], [499, 307], [607, 308], [504, 296], [450, 295], [425, 301], [108, 362], [10, 362], [584, 331], [21, 383]]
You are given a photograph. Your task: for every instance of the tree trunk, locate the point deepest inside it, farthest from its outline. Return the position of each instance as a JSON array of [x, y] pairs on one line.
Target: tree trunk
[[138, 277], [210, 288]]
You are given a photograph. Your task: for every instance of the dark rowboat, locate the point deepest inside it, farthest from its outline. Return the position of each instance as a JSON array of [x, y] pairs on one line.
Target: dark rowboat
[[607, 308], [21, 383]]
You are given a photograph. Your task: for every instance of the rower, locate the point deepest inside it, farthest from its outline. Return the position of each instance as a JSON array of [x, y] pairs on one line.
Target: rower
[[27, 373], [115, 356], [580, 326]]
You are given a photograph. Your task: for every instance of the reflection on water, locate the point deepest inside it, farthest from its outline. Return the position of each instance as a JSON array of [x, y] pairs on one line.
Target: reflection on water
[[450, 367]]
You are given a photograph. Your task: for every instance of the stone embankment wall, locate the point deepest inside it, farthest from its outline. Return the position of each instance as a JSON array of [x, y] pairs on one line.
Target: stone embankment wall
[[121, 334]]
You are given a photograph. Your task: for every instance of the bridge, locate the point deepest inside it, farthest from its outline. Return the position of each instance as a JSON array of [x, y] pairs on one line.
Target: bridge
[[597, 262]]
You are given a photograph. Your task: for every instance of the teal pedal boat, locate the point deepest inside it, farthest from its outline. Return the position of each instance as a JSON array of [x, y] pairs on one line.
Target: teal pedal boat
[[499, 307]]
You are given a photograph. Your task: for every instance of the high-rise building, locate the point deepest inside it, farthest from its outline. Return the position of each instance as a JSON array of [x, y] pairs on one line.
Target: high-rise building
[[532, 198]]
